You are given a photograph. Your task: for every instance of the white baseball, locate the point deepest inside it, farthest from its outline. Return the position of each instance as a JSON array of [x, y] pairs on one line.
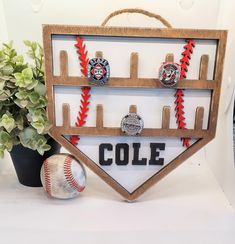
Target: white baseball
[[63, 176]]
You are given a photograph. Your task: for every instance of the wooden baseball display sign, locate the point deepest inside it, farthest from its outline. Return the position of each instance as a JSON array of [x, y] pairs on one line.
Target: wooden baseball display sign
[[133, 103]]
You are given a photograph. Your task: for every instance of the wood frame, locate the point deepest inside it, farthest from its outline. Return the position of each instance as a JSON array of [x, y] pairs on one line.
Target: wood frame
[[203, 136]]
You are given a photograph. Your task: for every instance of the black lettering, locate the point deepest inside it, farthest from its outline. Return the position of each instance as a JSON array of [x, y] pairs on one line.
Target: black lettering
[[102, 147], [136, 160], [154, 159], [119, 148]]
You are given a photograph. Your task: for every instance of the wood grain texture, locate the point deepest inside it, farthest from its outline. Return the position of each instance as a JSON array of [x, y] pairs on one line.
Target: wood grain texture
[[169, 57], [133, 109], [47, 45], [134, 66], [99, 54], [120, 82], [135, 32], [66, 116], [166, 117], [199, 118], [202, 136], [146, 132], [63, 64], [203, 67], [219, 64], [99, 116]]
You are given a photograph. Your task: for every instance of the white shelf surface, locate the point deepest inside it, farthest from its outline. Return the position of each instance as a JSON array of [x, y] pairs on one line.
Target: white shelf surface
[[187, 206]]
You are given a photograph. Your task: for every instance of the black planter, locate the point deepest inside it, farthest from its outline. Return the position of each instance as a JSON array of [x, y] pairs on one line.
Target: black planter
[[28, 162]]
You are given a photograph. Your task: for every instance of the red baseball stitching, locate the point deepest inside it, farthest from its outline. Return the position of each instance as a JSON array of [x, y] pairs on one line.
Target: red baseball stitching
[[82, 55], [82, 114], [179, 108], [83, 107], [68, 175], [47, 177]]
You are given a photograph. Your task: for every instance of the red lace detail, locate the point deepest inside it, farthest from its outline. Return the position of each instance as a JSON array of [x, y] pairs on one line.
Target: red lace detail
[[47, 178], [179, 108], [82, 114], [81, 119], [82, 55], [69, 176], [74, 139]]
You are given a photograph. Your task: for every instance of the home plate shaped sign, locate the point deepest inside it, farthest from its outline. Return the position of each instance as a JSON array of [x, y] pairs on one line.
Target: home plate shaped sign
[[133, 103]]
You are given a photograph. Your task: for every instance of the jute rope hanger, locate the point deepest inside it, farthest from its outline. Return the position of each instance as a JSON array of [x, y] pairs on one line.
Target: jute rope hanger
[[137, 11]]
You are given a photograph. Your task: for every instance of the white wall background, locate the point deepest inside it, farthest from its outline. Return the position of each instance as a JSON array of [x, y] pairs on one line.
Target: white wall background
[[219, 153], [22, 19], [3, 26]]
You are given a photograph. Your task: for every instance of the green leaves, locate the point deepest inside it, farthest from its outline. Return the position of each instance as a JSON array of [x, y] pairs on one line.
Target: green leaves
[[43, 148], [27, 43], [2, 57], [40, 89], [36, 114], [4, 137], [19, 60], [25, 79], [2, 84], [8, 51], [19, 122], [34, 97], [4, 95], [7, 69], [31, 139], [38, 120], [35, 52], [28, 137], [41, 126], [27, 74], [22, 94], [23, 100], [2, 149], [7, 122], [5, 141], [31, 44], [21, 103]]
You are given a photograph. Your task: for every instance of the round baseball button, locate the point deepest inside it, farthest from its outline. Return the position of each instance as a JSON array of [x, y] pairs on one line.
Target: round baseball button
[[98, 71], [169, 74], [132, 124]]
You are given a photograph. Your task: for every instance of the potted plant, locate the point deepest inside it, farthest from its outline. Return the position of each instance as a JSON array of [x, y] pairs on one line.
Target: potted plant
[[23, 120]]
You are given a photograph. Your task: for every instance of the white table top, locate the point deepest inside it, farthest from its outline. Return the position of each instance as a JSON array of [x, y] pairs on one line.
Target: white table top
[[188, 206]]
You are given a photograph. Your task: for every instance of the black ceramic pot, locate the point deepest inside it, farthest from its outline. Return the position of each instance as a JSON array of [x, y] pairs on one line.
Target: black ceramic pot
[[28, 162]]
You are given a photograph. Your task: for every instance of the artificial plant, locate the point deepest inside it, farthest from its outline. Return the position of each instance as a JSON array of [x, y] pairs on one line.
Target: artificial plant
[[23, 101]]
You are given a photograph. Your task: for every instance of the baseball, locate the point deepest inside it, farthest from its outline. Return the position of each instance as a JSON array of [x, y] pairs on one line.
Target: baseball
[[63, 176]]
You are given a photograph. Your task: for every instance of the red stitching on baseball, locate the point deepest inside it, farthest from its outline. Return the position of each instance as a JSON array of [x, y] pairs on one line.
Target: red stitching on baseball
[[47, 177], [179, 108], [82, 114], [69, 177]]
